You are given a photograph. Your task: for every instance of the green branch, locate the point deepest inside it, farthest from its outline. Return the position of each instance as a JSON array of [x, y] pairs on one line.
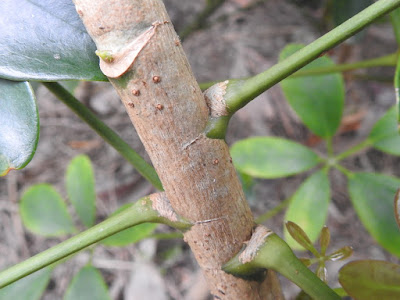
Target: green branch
[[383, 61], [145, 169], [240, 92], [147, 209], [266, 250]]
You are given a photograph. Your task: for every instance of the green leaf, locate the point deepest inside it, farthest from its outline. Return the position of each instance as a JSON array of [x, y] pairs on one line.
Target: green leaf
[[87, 284], [129, 235], [372, 196], [248, 184], [19, 125], [308, 207], [324, 239], [384, 135], [341, 254], [30, 287], [385, 127], [272, 157], [371, 280], [79, 181], [318, 100], [298, 234], [45, 40], [44, 212]]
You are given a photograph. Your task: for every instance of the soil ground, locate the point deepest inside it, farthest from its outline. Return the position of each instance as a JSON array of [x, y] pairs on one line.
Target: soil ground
[[242, 38]]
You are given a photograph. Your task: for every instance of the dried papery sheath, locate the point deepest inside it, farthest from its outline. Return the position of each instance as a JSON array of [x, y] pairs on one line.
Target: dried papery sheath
[[120, 62]]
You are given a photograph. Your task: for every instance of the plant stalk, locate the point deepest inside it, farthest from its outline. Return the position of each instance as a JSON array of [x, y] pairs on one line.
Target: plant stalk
[[145, 169], [383, 61], [353, 150], [239, 93], [142, 211], [266, 250]]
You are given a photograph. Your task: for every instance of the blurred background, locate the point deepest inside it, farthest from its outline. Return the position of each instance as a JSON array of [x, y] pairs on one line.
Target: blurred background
[[239, 38]]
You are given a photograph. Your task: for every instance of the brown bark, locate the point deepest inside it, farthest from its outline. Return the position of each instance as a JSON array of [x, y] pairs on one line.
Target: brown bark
[[170, 113]]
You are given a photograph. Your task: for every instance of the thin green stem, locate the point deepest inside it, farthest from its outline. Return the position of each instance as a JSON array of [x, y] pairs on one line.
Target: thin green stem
[[353, 150], [384, 61], [266, 250], [273, 212], [329, 146], [239, 93], [145, 169], [342, 169], [200, 20], [142, 211]]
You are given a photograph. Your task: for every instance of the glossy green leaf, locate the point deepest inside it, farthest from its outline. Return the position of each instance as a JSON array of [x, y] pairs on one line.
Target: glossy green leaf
[[130, 235], [272, 157], [30, 287], [371, 280], [384, 135], [79, 181], [318, 100], [45, 40], [298, 234], [344, 9], [44, 212], [308, 207], [87, 284], [372, 197], [19, 125]]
